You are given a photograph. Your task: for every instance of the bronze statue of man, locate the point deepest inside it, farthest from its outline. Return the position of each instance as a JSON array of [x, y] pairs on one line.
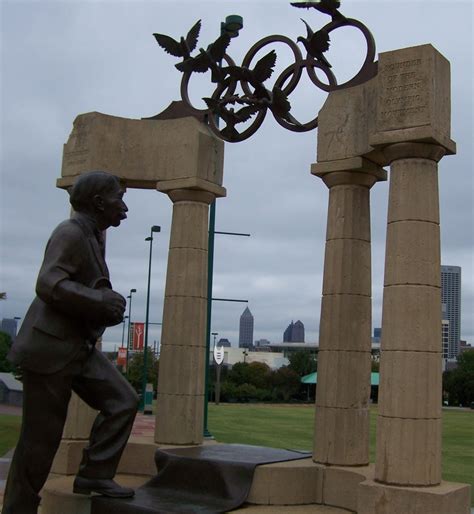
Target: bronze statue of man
[[55, 352]]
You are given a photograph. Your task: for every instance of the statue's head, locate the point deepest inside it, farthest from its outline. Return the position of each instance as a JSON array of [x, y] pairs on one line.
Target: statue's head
[[100, 195]]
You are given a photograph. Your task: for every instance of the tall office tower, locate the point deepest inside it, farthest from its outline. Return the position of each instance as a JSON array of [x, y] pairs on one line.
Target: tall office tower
[[287, 333], [294, 333], [451, 297], [297, 335], [246, 329], [445, 338], [377, 335], [9, 326]]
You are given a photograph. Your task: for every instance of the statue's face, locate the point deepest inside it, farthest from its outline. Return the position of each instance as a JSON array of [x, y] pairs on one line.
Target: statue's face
[[114, 209]]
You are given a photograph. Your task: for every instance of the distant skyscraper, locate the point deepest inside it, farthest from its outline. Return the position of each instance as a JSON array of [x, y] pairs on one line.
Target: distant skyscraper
[[9, 326], [377, 335], [451, 298], [294, 333], [298, 332], [445, 338], [246, 329], [223, 341]]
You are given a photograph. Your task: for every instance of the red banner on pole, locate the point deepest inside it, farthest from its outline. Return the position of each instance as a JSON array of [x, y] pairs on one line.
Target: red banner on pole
[[138, 336], [122, 357]]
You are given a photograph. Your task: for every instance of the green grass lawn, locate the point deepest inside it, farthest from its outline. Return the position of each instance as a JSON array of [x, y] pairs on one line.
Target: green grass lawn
[[9, 431], [292, 427], [285, 426]]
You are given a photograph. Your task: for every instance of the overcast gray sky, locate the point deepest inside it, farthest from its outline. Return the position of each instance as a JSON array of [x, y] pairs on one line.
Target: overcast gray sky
[[64, 58]]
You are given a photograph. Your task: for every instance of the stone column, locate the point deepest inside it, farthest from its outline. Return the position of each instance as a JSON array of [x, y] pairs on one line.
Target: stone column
[[179, 414], [409, 420], [344, 359]]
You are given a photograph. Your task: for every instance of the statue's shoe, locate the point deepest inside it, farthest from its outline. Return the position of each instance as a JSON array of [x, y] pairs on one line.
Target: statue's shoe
[[105, 487]]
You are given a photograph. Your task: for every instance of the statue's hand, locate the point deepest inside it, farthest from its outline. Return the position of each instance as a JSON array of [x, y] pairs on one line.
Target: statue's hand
[[113, 307]]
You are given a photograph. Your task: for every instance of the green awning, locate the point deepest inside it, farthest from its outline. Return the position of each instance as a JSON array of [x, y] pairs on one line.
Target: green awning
[[312, 378]]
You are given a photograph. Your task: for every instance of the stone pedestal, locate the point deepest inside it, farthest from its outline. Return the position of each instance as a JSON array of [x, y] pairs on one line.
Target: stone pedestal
[[180, 403], [80, 418], [344, 359], [445, 498]]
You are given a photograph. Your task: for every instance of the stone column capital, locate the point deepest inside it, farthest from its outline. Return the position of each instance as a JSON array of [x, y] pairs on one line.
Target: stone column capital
[[353, 171], [412, 150], [191, 195], [194, 187]]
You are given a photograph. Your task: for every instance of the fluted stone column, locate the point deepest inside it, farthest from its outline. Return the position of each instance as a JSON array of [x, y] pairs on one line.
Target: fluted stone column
[[179, 415], [409, 420], [344, 359]]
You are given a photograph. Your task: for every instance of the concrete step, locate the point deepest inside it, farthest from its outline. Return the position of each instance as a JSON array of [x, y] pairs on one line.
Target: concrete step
[[58, 498], [292, 486], [293, 509]]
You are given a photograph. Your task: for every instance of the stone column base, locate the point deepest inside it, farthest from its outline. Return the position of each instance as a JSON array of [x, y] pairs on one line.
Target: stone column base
[[339, 485], [446, 498]]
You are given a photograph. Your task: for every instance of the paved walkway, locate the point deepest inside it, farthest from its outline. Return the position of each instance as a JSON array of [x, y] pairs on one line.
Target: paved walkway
[[10, 409], [144, 425]]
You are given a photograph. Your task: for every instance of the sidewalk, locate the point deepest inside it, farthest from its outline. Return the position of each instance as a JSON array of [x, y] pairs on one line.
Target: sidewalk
[[10, 409], [144, 425]]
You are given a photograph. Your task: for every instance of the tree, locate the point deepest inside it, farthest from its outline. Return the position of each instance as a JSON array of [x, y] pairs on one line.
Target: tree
[[459, 383], [259, 375], [135, 370], [5, 344], [254, 373], [239, 373], [247, 381], [302, 362], [286, 382], [375, 365]]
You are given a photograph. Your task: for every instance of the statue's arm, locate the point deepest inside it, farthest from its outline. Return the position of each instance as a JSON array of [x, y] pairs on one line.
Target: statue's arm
[[59, 282]]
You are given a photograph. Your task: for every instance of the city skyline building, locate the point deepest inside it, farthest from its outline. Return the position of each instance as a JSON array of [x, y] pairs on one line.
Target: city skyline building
[[294, 333], [445, 338], [451, 306], [223, 341], [377, 335], [10, 327], [246, 329]]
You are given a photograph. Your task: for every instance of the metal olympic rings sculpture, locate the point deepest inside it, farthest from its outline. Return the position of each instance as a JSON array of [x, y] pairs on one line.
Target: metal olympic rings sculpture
[[256, 99]]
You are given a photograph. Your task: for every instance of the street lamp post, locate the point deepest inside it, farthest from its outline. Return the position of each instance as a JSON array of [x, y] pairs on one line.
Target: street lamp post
[[129, 319], [123, 328], [215, 334], [154, 228], [230, 26]]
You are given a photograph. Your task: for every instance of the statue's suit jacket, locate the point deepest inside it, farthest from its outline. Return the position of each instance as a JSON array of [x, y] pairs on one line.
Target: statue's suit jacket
[[67, 311]]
